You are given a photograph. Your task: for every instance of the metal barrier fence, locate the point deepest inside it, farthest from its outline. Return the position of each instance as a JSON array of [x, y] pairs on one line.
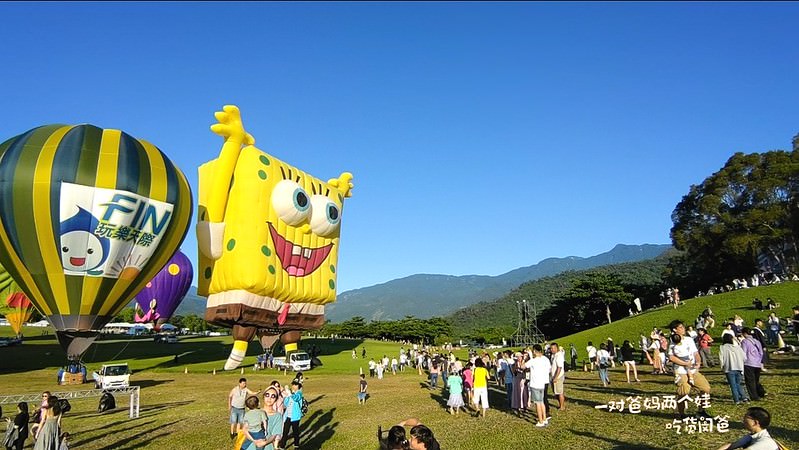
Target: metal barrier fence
[[134, 392]]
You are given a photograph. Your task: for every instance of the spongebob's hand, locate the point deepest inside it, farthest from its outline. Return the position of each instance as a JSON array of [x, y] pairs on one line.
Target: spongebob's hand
[[343, 183], [230, 126]]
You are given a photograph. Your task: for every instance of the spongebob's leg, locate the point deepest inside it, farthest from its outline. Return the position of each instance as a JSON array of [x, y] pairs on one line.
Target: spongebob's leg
[[241, 337], [290, 341]]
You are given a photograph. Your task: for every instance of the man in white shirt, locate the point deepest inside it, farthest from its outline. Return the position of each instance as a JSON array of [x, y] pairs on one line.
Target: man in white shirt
[[686, 355], [558, 374], [540, 368], [591, 350]]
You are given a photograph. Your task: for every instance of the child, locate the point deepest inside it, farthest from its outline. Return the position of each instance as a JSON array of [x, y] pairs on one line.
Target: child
[[64, 445], [362, 390], [467, 382], [455, 386], [681, 370]]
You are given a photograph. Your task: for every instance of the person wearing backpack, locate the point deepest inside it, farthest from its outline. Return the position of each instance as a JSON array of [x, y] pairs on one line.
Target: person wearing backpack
[[293, 414]]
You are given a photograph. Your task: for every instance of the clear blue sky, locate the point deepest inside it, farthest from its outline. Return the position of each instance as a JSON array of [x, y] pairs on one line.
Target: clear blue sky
[[482, 136]]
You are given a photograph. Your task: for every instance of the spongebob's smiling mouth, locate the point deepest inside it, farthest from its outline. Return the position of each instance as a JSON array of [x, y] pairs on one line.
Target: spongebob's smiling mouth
[[298, 261]]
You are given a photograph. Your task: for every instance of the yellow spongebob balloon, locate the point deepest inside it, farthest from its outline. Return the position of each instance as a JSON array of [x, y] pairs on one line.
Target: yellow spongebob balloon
[[268, 236]]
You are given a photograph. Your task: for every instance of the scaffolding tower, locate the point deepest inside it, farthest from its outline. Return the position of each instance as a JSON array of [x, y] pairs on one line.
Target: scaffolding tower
[[527, 333]]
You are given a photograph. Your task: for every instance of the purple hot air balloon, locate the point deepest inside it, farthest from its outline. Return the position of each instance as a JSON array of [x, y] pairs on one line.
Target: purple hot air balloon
[[162, 295]]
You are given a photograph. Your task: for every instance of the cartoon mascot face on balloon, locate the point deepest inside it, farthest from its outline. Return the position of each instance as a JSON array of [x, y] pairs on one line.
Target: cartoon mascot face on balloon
[[87, 217], [268, 235]]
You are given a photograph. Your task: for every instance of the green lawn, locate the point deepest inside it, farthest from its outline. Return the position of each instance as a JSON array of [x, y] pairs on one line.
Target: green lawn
[[189, 410]]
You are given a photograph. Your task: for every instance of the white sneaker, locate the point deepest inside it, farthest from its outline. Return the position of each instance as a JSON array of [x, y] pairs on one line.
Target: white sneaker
[[541, 424]]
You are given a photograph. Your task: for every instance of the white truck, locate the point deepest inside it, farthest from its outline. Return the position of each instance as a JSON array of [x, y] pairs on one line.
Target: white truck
[[112, 376], [298, 362]]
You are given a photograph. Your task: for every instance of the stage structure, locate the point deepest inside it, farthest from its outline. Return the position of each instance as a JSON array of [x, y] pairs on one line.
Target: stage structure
[[527, 333]]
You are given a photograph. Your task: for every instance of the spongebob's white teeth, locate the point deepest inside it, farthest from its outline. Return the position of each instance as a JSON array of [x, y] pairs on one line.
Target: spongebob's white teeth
[[306, 252], [296, 250]]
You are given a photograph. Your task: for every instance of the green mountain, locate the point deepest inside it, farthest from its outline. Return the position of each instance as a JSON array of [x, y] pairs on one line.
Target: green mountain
[[426, 295], [643, 279]]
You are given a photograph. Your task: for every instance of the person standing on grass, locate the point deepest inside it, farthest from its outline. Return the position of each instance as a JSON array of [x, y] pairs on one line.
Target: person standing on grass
[[20, 423], [362, 386], [591, 350], [603, 360], [235, 405], [731, 360], [254, 427], [480, 383], [627, 354], [455, 386], [753, 363], [573, 355], [540, 370], [558, 374], [506, 367], [705, 342], [685, 354], [293, 404], [274, 428]]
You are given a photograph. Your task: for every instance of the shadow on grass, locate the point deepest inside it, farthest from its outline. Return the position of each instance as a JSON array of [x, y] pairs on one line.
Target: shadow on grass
[[151, 383], [318, 429], [617, 444]]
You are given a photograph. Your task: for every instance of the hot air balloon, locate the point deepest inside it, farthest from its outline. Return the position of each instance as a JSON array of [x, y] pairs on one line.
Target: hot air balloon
[[161, 296], [20, 310], [268, 236], [87, 217]]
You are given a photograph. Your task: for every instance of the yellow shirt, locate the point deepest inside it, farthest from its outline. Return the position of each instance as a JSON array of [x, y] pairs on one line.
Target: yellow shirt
[[480, 377]]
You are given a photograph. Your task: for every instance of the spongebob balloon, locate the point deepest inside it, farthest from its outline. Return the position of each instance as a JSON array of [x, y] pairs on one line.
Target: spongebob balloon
[[87, 217], [268, 236]]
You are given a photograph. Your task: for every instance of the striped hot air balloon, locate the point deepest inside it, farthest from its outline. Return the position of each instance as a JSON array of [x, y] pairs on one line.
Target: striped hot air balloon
[[161, 296], [87, 217], [20, 310]]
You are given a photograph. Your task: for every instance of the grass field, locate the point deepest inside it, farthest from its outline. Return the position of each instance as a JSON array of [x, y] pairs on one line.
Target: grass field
[[188, 410]]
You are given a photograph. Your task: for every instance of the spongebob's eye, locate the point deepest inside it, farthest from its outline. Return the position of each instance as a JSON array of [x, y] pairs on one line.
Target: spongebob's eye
[[65, 249], [326, 216], [291, 202]]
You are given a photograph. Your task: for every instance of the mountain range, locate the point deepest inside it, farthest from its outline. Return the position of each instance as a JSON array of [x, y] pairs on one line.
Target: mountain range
[[427, 295]]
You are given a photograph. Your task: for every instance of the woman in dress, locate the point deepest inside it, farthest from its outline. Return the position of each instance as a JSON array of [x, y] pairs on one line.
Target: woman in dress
[[521, 395], [47, 434], [455, 386]]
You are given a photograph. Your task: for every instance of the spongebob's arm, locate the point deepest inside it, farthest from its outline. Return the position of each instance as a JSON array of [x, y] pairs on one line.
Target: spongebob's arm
[[230, 128], [210, 232]]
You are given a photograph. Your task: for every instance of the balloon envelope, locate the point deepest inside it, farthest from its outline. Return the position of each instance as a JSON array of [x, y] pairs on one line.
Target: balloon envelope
[[20, 310], [161, 296], [87, 216]]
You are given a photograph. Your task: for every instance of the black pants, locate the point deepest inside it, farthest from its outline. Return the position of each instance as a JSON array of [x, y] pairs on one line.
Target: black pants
[[752, 380], [574, 363], [295, 428]]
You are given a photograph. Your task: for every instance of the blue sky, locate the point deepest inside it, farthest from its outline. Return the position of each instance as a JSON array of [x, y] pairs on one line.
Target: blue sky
[[482, 136]]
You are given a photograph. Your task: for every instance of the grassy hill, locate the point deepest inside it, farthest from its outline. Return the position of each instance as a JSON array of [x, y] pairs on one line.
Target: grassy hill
[[723, 305]]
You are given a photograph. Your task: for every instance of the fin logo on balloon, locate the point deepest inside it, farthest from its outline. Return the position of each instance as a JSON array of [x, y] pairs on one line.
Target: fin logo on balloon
[[107, 232]]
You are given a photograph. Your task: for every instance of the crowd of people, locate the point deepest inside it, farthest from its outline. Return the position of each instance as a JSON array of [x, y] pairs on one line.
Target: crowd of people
[[268, 419], [46, 429]]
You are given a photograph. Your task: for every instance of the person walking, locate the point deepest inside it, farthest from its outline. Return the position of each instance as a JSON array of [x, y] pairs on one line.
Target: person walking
[[627, 354], [603, 360], [362, 386], [20, 425], [753, 364], [591, 351], [731, 359], [480, 384], [683, 353], [455, 386]]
